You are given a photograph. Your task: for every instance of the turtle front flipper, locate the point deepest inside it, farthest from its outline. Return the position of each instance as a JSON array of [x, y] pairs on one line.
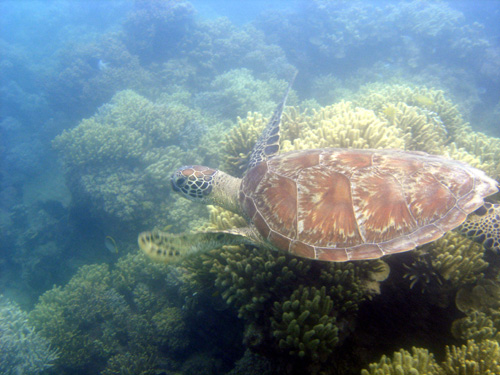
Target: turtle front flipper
[[171, 248], [268, 143], [483, 226]]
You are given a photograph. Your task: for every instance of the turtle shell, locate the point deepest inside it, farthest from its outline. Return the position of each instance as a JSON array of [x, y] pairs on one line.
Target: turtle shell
[[340, 204]]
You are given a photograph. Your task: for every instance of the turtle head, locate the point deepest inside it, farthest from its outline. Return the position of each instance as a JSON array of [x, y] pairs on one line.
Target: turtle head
[[208, 186], [194, 182]]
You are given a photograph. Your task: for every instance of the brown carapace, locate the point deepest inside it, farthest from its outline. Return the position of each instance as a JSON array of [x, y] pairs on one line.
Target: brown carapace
[[339, 204]]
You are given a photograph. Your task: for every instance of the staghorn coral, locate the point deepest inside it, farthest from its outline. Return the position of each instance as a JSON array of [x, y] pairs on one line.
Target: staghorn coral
[[418, 362], [304, 324], [22, 349], [475, 358]]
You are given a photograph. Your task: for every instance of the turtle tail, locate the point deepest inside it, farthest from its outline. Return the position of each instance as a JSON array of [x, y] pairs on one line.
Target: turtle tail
[[483, 226]]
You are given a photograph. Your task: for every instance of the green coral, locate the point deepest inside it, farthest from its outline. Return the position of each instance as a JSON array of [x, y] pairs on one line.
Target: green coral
[[418, 362], [477, 326], [101, 315], [66, 316], [237, 91], [119, 161], [305, 325], [481, 304], [452, 260], [250, 278], [475, 358]]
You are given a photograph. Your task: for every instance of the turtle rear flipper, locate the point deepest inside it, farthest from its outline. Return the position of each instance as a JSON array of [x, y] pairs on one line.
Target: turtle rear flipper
[[171, 248], [483, 226]]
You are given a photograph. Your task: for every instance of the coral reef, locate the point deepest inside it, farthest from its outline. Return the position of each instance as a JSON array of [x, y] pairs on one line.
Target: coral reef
[[93, 319], [155, 30], [237, 91], [341, 125], [475, 358], [238, 143], [482, 358], [431, 122], [419, 361], [119, 161], [249, 279], [90, 73], [22, 349], [480, 302], [304, 324], [447, 263]]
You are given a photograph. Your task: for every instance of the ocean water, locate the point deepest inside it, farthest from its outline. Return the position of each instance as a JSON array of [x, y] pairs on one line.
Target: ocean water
[[101, 101]]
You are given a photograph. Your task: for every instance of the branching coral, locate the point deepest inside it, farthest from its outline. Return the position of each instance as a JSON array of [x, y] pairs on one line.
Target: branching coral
[[118, 162], [156, 29], [423, 130], [378, 96], [99, 315], [420, 361], [221, 219], [22, 350], [305, 325], [67, 315], [452, 260], [237, 91], [476, 326], [443, 130], [249, 279], [239, 141], [341, 125], [475, 358]]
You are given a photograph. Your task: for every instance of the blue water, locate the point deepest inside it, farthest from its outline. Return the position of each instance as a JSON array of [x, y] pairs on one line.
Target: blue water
[[101, 100]]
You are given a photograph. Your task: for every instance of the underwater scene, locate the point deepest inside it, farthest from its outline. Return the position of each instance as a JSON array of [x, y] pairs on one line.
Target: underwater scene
[[352, 225]]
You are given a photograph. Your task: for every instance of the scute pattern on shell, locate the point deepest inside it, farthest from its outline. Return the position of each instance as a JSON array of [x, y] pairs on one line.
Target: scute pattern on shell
[[341, 204]]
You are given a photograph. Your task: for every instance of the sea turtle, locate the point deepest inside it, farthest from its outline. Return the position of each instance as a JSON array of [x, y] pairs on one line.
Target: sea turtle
[[335, 204]]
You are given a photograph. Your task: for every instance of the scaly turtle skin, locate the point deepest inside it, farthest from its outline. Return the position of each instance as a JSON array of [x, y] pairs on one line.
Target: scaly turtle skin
[[335, 204]]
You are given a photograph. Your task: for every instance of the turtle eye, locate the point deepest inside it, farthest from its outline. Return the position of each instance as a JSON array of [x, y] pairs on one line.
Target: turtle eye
[[178, 182]]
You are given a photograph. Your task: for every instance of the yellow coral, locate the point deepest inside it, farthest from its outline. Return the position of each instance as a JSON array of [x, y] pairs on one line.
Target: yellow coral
[[221, 219], [482, 358], [341, 125], [239, 143], [423, 130], [420, 361], [456, 260]]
